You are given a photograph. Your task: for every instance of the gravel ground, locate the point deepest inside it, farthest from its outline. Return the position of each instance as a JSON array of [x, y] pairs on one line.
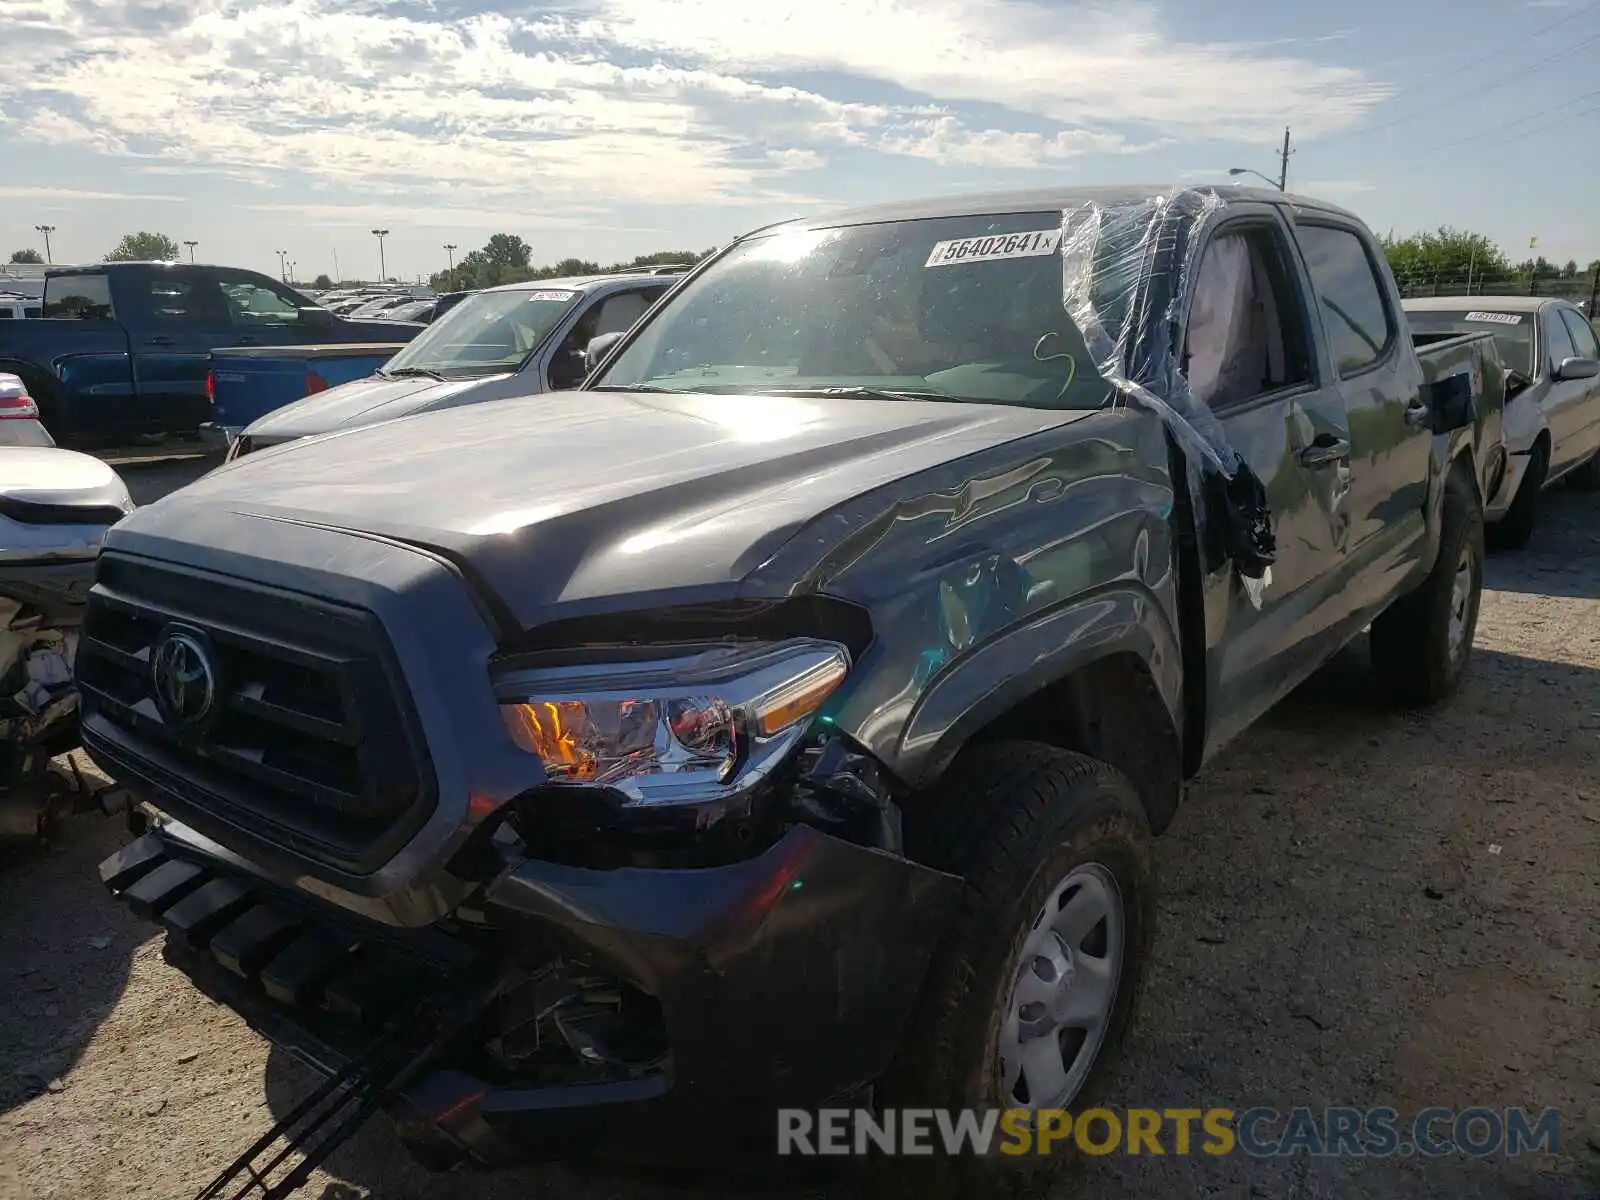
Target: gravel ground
[[1361, 907]]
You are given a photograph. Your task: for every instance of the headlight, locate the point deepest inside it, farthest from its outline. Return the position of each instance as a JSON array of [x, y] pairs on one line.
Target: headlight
[[674, 730]]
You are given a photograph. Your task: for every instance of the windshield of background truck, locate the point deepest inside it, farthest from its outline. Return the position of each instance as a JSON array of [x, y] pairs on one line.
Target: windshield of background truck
[[485, 334], [958, 308], [1513, 332]]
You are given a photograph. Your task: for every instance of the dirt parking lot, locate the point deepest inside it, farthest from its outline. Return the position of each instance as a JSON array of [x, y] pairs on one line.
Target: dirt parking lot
[[1361, 907]]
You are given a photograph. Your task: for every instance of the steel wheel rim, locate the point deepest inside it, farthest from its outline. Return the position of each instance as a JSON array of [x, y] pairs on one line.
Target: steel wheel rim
[[1063, 991], [1460, 602]]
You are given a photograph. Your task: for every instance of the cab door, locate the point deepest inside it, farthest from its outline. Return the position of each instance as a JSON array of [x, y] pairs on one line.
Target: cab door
[[1588, 347], [175, 316], [1251, 362]]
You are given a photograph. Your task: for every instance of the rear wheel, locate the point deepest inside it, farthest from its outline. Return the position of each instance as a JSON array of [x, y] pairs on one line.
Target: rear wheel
[[1421, 644], [1028, 1000], [1512, 531]]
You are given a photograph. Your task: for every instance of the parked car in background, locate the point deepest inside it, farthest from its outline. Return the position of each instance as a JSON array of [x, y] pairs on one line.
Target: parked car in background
[[122, 349], [1553, 406], [16, 307], [420, 311], [519, 340], [784, 717], [383, 306], [19, 416]]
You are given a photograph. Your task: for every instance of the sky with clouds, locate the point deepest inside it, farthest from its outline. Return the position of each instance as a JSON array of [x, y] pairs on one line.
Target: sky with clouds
[[606, 128]]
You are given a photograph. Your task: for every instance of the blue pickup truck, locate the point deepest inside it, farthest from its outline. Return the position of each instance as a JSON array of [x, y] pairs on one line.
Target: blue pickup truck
[[123, 349]]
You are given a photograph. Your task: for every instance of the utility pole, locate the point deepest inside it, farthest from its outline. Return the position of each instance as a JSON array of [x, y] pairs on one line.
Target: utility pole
[[450, 257], [283, 265], [191, 246], [47, 230], [1283, 162], [383, 271], [338, 276]]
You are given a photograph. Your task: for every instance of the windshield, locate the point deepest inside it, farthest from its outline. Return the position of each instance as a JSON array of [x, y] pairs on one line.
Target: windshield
[[1513, 332], [485, 334], [959, 308]]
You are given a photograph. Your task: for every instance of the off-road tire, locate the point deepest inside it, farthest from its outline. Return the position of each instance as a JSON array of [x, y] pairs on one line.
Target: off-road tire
[[1012, 819], [1514, 530], [1411, 645]]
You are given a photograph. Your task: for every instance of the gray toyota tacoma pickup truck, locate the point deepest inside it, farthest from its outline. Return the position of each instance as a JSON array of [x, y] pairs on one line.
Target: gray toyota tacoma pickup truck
[[784, 717]]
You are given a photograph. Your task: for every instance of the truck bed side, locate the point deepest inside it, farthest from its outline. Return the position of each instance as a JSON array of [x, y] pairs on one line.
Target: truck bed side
[[249, 382], [72, 368]]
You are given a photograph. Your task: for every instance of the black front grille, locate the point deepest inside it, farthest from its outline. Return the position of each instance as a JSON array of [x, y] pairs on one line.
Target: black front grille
[[312, 744]]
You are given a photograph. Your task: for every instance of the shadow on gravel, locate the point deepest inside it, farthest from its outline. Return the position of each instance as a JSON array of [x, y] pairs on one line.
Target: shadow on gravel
[[65, 948], [1563, 557]]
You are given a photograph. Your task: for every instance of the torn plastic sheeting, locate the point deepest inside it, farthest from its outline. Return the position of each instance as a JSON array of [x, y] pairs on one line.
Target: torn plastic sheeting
[[1108, 254]]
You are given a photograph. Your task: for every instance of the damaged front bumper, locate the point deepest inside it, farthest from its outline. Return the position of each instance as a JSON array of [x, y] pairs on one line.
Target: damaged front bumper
[[632, 1014]]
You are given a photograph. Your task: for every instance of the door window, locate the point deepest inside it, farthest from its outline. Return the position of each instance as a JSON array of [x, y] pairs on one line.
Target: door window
[[615, 314], [1583, 339], [1558, 342], [180, 298], [1350, 296], [255, 301], [1243, 339], [77, 298]]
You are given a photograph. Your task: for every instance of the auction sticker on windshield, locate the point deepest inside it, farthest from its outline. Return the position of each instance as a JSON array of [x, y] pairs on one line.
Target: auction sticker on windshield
[[1496, 318], [563, 297], [994, 246]]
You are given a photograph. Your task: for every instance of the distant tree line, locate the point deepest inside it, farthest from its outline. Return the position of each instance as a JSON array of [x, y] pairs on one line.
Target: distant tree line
[[1457, 258], [506, 258]]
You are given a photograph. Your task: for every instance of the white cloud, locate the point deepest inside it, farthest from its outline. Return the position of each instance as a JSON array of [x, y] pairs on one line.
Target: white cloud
[[80, 195], [638, 102]]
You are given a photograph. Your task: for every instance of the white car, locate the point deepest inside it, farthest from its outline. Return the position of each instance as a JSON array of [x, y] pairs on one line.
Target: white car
[[1552, 417], [19, 416], [15, 307]]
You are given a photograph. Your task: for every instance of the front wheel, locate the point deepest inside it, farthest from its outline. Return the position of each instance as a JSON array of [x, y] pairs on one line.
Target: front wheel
[[1421, 643], [1029, 998]]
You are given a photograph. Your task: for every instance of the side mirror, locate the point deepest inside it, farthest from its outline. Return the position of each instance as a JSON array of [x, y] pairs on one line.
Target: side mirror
[[316, 321], [1578, 368], [597, 349]]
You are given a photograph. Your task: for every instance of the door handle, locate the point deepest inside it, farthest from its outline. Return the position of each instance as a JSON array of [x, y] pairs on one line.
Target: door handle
[[1321, 453], [1418, 415], [158, 341]]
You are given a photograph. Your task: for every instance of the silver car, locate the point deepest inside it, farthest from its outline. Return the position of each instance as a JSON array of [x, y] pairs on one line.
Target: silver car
[[1552, 420], [519, 340]]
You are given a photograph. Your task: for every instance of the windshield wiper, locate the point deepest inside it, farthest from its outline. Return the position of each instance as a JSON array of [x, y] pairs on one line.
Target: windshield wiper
[[637, 387], [412, 373]]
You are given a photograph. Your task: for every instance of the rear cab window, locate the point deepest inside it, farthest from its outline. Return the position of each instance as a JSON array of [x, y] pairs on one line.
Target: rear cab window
[[1350, 295], [78, 297], [1513, 331]]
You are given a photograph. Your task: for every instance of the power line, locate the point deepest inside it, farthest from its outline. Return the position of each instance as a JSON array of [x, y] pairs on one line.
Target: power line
[[1481, 86], [1476, 138]]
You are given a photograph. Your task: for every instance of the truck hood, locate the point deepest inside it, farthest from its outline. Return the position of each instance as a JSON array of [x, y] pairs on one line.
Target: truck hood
[[590, 501], [359, 402]]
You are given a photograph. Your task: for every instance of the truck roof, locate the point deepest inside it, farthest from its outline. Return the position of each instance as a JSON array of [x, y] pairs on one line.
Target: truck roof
[[1043, 199], [1503, 303]]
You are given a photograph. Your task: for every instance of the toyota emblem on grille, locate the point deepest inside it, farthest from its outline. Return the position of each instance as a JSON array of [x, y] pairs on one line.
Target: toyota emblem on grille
[[184, 673]]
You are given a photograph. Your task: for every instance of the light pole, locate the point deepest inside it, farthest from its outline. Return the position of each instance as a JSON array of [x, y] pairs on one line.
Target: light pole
[[1257, 174], [47, 230], [383, 270], [283, 265], [450, 257], [191, 246], [1282, 181]]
